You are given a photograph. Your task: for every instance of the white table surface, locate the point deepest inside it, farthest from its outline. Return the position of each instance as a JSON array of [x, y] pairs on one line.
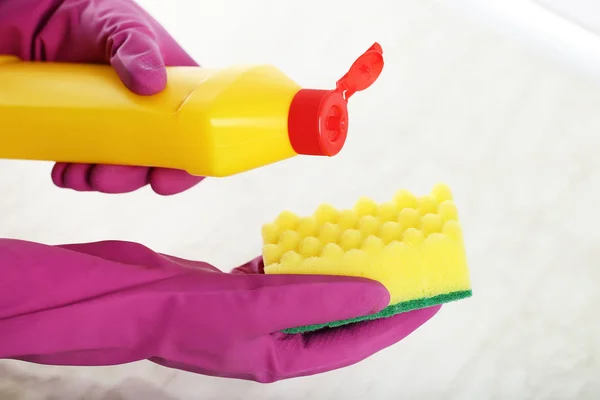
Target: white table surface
[[515, 132]]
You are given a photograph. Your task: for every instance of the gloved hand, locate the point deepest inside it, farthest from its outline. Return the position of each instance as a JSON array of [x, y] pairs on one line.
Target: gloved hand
[[113, 302], [118, 32]]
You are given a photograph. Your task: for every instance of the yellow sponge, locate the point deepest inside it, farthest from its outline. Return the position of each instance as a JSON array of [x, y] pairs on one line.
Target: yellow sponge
[[412, 245]]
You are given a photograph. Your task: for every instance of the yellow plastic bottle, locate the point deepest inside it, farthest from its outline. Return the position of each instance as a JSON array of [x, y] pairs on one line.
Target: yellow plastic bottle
[[207, 122]]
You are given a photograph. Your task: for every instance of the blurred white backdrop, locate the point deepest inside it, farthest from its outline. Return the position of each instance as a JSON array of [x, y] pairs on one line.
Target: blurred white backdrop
[[500, 102]]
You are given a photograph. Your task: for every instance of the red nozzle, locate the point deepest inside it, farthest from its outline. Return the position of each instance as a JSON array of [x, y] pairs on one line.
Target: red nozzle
[[318, 119]]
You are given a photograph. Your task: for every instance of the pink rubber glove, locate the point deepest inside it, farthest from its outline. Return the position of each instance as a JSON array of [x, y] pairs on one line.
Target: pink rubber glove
[[109, 303], [118, 32]]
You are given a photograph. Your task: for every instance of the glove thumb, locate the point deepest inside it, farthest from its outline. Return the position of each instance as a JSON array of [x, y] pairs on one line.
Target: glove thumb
[[137, 59]]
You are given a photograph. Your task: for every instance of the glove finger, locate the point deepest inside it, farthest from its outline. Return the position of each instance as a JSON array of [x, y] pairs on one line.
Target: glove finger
[[165, 181], [133, 19], [57, 174], [118, 178], [287, 301], [140, 57], [329, 349], [76, 177]]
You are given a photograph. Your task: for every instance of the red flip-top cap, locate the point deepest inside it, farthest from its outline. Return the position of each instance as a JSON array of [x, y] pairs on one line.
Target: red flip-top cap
[[318, 119]]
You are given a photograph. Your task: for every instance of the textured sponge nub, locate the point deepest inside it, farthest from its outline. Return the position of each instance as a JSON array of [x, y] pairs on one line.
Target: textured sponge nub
[[412, 245]]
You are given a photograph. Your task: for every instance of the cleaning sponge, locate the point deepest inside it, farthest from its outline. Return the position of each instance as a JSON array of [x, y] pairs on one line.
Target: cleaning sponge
[[412, 245]]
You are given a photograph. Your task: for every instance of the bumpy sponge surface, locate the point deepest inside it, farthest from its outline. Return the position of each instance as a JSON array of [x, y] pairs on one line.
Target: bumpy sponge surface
[[412, 245]]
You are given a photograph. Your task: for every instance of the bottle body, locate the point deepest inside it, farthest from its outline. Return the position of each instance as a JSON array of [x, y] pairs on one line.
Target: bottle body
[[207, 122]]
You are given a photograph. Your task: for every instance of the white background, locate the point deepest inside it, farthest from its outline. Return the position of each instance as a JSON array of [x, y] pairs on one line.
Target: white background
[[501, 101]]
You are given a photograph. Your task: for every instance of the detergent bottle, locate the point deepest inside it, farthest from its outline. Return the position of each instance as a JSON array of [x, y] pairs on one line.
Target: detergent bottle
[[208, 122]]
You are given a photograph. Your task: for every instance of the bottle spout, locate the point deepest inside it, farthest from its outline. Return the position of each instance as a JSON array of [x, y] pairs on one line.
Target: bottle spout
[[318, 119]]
